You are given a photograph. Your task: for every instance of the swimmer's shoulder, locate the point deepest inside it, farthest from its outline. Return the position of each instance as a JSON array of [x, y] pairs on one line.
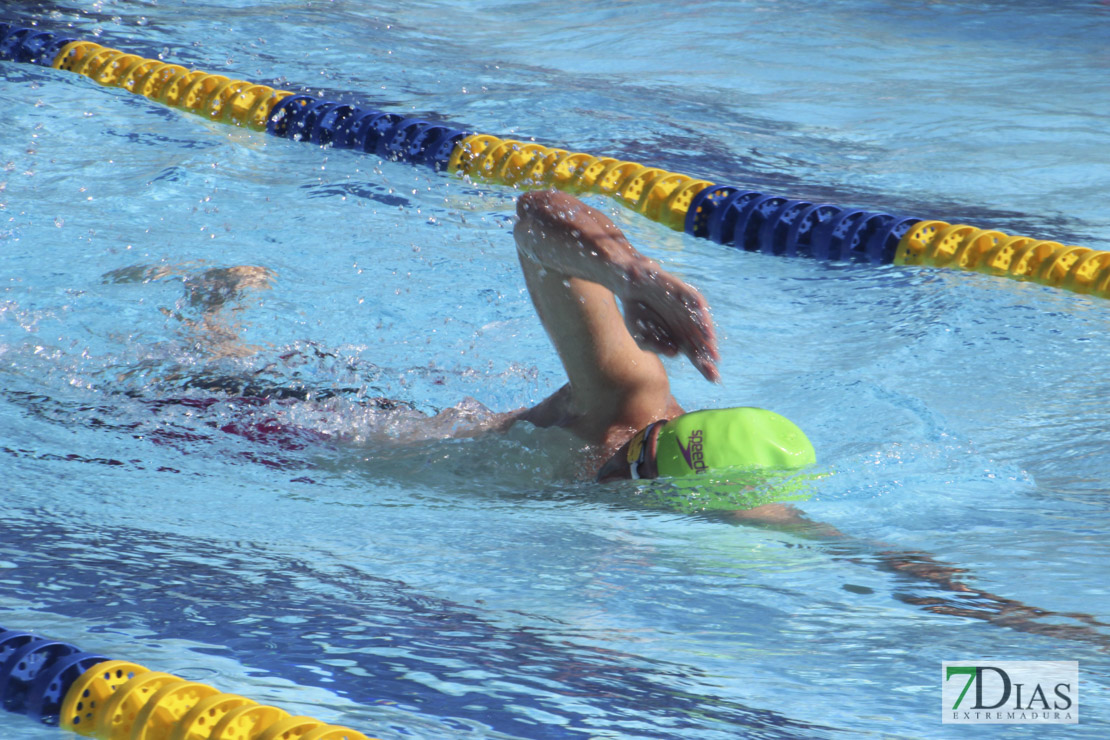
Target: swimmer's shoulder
[[560, 410], [607, 426], [553, 411]]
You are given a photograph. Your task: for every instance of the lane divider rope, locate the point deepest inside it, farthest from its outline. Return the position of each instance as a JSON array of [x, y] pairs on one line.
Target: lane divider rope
[[729, 215], [59, 684]]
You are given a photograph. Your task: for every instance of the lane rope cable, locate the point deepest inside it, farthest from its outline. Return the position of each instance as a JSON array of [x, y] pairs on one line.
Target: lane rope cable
[[726, 214]]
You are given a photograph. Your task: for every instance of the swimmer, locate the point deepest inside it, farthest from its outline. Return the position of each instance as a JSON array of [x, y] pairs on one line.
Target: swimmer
[[576, 264]]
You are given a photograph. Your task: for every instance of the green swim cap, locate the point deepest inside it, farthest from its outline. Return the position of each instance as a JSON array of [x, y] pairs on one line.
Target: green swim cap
[[716, 439]]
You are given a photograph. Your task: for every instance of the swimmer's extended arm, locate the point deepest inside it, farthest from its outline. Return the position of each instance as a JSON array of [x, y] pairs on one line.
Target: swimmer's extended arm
[[953, 594], [575, 262]]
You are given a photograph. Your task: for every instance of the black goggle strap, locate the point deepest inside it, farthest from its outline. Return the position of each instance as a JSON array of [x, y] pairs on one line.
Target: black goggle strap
[[638, 447]]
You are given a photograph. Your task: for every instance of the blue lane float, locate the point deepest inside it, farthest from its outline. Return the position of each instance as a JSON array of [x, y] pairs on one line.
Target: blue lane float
[[388, 135], [771, 224]]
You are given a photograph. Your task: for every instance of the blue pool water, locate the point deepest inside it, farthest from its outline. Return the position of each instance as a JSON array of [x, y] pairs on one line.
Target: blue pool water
[[281, 550]]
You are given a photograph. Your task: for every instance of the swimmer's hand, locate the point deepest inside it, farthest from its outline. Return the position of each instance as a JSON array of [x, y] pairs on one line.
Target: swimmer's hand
[[667, 316]]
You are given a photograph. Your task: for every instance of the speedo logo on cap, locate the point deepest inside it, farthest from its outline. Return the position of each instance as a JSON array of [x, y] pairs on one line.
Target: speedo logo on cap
[[694, 451]]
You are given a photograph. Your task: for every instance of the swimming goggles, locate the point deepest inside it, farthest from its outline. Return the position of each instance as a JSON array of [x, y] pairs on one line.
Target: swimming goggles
[[638, 448]]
